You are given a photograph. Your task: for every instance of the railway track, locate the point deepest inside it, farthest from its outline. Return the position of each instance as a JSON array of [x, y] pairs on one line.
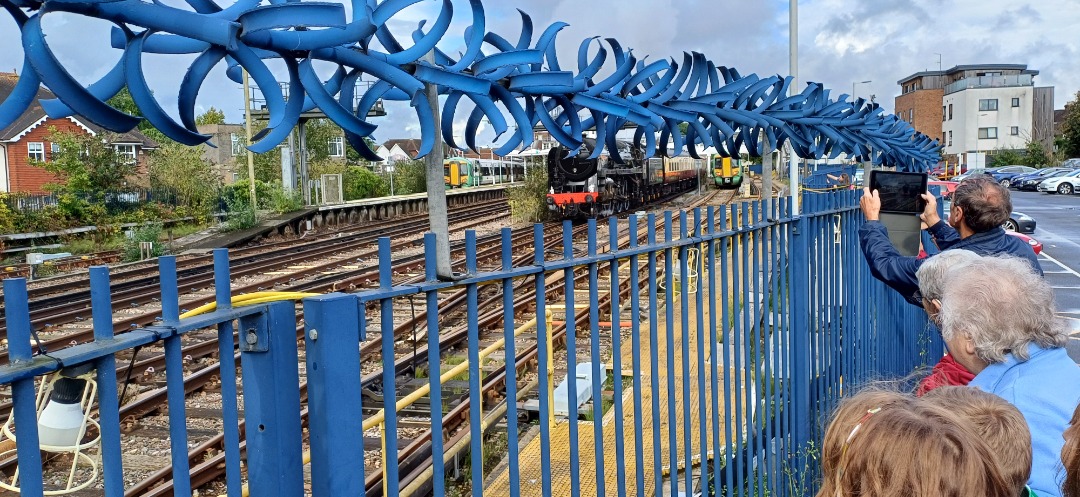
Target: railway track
[[207, 456]]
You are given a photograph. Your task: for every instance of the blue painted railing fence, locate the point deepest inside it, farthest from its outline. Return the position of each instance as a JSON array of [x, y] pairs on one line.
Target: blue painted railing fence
[[791, 308]]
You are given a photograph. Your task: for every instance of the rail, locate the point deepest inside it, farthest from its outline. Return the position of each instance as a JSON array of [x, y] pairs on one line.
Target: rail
[[739, 364]]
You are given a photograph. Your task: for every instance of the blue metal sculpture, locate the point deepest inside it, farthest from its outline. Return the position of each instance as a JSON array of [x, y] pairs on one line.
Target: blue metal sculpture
[[723, 109]]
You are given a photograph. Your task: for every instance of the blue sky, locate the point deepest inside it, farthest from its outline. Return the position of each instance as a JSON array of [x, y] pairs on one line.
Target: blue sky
[[841, 41]]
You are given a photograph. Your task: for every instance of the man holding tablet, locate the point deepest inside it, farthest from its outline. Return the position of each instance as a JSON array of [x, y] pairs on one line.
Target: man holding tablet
[[979, 208]]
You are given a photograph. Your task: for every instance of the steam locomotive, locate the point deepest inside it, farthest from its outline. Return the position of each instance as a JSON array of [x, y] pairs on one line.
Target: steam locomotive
[[579, 187]]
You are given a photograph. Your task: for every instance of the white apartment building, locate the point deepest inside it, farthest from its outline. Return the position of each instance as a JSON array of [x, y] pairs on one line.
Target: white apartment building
[[991, 107]]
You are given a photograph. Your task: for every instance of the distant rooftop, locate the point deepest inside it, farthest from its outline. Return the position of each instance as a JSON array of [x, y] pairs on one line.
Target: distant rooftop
[[1021, 68]]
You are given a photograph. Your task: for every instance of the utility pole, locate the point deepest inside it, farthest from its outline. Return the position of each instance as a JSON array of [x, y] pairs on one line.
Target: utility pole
[[250, 154], [766, 170], [436, 190]]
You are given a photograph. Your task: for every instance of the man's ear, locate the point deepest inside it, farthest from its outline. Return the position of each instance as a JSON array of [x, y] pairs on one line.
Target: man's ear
[[958, 216]]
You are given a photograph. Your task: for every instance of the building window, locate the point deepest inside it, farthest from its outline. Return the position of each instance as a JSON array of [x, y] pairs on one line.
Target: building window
[[36, 151], [942, 113], [1015, 131], [950, 138], [55, 150], [237, 144], [126, 153], [950, 112], [988, 104], [337, 146], [987, 133], [1015, 102]]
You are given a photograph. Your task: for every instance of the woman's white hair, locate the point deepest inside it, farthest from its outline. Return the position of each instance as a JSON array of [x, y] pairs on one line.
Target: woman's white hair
[[1003, 305], [934, 272]]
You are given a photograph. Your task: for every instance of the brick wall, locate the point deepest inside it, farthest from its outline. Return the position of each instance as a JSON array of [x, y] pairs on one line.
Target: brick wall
[[927, 107], [25, 177]]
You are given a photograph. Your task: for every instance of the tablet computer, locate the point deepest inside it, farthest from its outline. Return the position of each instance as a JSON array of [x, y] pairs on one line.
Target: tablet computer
[[900, 193]]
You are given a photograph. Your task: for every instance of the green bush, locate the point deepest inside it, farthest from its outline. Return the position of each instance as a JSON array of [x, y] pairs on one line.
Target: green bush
[[410, 176], [146, 233], [239, 191], [282, 201], [240, 215], [360, 182], [528, 202]]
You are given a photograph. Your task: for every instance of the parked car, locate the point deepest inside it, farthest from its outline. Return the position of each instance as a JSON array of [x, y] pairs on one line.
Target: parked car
[[1031, 181], [1005, 175], [947, 187], [969, 173], [1020, 222], [1065, 185]]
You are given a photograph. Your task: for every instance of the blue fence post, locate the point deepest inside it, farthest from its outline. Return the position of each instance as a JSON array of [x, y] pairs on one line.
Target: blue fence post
[[108, 405], [799, 351], [438, 465], [17, 312], [230, 414], [335, 424], [543, 357], [174, 377], [272, 401]]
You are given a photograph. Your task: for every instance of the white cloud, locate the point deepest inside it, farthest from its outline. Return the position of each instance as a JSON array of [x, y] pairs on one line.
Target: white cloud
[[841, 41]]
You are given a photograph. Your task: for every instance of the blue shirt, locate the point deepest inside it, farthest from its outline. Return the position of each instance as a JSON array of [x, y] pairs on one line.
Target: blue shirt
[[1046, 390]]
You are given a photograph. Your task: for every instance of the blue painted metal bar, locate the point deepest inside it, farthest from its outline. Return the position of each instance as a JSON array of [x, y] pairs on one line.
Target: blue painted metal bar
[[726, 317], [738, 293], [543, 355], [635, 344], [757, 342], [511, 365], [476, 405], [669, 332], [105, 374], [230, 414], [23, 396], [389, 375], [714, 356], [799, 349], [335, 425], [703, 394], [594, 359], [684, 331], [571, 359], [616, 359], [654, 361], [272, 402], [438, 466], [174, 378]]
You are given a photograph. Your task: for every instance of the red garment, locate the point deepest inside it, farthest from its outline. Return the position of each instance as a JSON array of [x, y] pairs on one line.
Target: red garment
[[947, 372]]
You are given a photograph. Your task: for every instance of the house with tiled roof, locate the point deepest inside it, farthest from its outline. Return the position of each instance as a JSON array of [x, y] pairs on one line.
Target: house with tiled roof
[[27, 140]]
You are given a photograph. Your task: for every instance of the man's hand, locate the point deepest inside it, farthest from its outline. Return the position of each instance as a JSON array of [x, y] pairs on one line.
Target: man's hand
[[929, 214], [870, 204]]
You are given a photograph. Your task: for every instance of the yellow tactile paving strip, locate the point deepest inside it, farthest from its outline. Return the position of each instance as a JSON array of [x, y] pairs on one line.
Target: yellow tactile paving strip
[[530, 460]]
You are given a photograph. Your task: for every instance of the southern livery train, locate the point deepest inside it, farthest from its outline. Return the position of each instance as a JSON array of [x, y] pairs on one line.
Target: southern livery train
[[580, 187]]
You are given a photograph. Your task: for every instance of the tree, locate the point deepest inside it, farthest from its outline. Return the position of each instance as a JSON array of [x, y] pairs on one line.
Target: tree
[[211, 116], [1006, 157], [1035, 155], [360, 182], [86, 163], [183, 170], [410, 176], [124, 102], [1071, 128]]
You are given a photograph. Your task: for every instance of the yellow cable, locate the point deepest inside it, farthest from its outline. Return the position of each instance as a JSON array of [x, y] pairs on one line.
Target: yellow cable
[[250, 299]]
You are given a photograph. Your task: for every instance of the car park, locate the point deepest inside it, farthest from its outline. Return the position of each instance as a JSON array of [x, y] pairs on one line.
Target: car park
[[1065, 185], [969, 173], [1005, 174], [1030, 182]]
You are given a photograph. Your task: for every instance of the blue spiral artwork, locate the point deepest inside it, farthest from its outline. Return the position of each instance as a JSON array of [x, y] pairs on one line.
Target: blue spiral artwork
[[523, 81]]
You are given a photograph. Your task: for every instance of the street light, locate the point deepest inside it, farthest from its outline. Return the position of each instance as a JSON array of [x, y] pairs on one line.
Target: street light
[[858, 83]]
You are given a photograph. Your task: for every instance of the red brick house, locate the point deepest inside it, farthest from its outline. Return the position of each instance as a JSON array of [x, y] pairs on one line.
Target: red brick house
[[28, 138]]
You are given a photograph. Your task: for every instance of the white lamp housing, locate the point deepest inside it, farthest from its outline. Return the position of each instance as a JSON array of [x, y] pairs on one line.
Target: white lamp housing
[[61, 423]]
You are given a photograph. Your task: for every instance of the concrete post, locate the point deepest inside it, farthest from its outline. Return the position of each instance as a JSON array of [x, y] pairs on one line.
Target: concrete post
[[304, 163], [436, 191]]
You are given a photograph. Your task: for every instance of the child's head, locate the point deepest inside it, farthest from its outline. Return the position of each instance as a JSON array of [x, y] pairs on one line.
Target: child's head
[[905, 447], [1070, 457], [996, 422]]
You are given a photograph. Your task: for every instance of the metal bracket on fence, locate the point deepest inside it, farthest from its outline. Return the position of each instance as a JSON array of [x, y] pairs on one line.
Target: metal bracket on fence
[[255, 338], [836, 229]]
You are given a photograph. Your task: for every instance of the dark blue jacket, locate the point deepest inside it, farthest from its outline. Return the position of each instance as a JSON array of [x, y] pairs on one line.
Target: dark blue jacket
[[898, 271]]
